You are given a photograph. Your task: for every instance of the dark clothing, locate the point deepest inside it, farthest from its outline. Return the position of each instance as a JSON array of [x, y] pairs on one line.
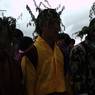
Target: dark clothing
[[65, 50], [64, 93], [82, 62], [10, 75]]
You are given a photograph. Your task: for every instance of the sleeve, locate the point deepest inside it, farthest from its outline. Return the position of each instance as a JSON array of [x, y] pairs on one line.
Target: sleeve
[[29, 74]]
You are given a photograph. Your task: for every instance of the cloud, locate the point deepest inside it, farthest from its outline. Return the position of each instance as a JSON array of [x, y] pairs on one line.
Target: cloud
[[75, 20], [74, 17]]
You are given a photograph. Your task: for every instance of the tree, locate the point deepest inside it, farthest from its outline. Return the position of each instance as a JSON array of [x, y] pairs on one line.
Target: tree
[[3, 12], [92, 12], [82, 32], [39, 10]]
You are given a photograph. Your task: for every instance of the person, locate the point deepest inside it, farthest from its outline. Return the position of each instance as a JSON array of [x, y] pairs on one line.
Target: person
[[64, 42], [82, 63], [71, 45], [18, 36], [47, 76], [10, 71], [25, 43], [24, 47]]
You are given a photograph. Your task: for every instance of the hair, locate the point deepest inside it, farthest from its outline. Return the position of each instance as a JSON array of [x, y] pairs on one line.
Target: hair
[[66, 38], [46, 16], [73, 41], [8, 23], [25, 43], [18, 33]]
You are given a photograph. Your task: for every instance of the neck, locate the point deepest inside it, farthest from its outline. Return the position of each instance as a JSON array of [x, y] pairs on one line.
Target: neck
[[50, 42]]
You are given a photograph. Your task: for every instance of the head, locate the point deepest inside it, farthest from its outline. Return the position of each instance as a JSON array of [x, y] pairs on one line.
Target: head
[[91, 32], [18, 35], [48, 23], [64, 38], [25, 43], [72, 42], [7, 26]]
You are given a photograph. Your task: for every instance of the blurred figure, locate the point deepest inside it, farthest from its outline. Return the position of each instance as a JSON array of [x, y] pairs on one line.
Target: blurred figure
[[82, 63], [65, 42], [47, 76], [25, 45], [71, 45], [10, 71], [18, 36]]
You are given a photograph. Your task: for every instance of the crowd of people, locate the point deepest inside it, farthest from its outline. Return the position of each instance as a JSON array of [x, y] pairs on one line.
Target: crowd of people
[[50, 64]]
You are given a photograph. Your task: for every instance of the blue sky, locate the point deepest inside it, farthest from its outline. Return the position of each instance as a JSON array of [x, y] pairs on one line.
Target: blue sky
[[74, 17]]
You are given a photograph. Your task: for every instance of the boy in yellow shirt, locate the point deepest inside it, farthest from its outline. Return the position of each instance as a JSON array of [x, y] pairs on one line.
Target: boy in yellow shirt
[[48, 75]]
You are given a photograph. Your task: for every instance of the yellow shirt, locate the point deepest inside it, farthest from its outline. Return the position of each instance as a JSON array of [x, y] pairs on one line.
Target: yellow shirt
[[29, 75], [49, 74]]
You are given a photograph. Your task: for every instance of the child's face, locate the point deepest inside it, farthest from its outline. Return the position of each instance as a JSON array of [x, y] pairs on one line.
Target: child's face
[[51, 29]]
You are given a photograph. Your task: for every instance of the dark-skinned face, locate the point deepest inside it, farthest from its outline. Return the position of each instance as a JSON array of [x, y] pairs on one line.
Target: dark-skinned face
[[52, 29]]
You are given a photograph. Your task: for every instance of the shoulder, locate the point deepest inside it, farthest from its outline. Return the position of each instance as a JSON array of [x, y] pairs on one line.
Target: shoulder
[[78, 51], [78, 48], [31, 56]]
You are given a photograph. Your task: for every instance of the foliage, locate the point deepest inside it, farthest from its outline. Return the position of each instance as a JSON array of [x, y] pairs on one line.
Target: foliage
[[2, 11], [10, 22], [39, 10], [83, 32], [7, 26], [32, 15], [92, 12], [86, 29]]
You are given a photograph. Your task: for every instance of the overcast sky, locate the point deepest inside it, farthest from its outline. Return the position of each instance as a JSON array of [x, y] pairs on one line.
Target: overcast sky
[[74, 17]]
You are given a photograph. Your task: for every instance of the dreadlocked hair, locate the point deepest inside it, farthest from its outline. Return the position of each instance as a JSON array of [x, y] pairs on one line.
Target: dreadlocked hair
[[10, 24], [46, 16]]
